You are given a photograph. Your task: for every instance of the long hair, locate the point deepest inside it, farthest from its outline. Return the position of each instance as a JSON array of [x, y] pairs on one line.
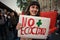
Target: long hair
[[33, 3]]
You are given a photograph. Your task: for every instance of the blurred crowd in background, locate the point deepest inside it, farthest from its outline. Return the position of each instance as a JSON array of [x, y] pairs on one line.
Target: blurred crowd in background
[[8, 22]]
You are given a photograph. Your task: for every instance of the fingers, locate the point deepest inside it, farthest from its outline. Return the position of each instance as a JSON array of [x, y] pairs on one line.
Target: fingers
[[22, 38], [19, 25]]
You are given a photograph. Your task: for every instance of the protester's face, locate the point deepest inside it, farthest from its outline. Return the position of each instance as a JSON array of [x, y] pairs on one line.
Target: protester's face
[[33, 10], [12, 14]]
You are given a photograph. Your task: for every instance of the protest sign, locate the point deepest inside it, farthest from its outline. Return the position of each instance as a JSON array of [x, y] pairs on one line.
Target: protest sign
[[33, 27]]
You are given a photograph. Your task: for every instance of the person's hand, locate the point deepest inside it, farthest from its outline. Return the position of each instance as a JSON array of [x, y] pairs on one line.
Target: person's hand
[[19, 25]]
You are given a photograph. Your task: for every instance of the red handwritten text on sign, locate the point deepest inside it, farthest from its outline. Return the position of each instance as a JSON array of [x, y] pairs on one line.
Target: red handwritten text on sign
[[31, 29]]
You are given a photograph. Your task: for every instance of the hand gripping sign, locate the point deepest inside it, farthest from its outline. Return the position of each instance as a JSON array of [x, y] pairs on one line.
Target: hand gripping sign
[[33, 27]]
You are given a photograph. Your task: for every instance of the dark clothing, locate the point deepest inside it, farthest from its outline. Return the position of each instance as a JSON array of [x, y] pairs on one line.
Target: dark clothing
[[2, 28], [3, 32]]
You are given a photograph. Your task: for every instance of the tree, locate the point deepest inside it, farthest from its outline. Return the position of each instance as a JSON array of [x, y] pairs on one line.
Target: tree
[[22, 4]]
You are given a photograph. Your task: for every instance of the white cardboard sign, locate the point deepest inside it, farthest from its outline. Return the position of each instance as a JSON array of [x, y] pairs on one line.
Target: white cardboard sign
[[33, 27]]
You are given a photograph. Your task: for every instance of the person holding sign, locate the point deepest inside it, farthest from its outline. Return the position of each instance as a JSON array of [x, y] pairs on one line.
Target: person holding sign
[[33, 10]]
